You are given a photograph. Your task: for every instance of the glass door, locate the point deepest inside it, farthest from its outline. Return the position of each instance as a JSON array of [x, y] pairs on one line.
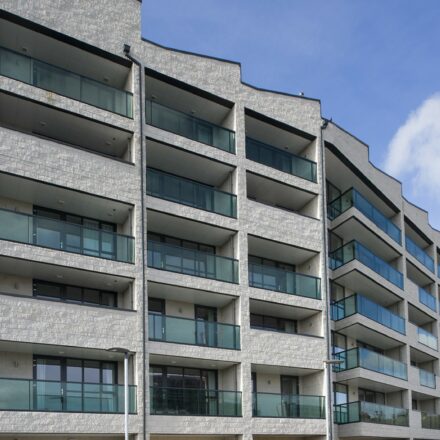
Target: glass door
[[47, 387], [289, 391], [206, 328]]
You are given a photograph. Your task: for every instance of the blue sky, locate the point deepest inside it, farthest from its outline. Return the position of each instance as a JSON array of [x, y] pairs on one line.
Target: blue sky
[[374, 64]]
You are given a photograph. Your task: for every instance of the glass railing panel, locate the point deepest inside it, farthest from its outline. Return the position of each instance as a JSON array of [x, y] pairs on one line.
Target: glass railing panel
[[368, 412], [65, 83], [427, 299], [380, 314], [189, 126], [343, 308], [427, 379], [70, 237], [288, 406], [353, 198], [430, 421], [188, 192], [419, 254], [37, 395], [193, 332], [427, 338], [370, 360], [194, 402], [280, 160], [279, 280], [192, 262], [354, 250]]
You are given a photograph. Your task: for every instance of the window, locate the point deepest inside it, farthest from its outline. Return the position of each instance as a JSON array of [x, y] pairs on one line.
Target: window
[[272, 263], [264, 322], [339, 342], [186, 244], [156, 305], [74, 294], [74, 370], [371, 396], [340, 393], [361, 344]]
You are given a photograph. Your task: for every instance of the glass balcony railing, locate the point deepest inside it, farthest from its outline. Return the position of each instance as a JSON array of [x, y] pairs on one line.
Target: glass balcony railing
[[419, 254], [55, 79], [368, 412], [188, 192], [288, 406], [65, 236], [427, 338], [281, 160], [39, 395], [370, 360], [279, 280], [427, 379], [430, 421], [353, 250], [353, 198], [194, 402], [189, 126], [427, 299], [193, 332], [192, 262], [360, 304]]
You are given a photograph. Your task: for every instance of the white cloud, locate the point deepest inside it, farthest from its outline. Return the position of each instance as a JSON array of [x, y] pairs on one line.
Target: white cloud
[[414, 151]]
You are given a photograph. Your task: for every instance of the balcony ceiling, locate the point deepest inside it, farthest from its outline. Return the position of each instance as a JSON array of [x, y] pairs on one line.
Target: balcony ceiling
[[61, 274], [184, 294], [62, 199], [281, 370], [33, 118], [183, 163], [186, 229], [159, 359], [360, 382], [420, 356], [280, 310], [274, 250], [52, 51]]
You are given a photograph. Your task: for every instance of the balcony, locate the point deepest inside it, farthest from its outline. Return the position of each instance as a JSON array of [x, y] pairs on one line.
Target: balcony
[[427, 338], [281, 160], [279, 280], [368, 412], [63, 82], [353, 198], [288, 406], [38, 395], [192, 262], [365, 307], [427, 379], [164, 328], [419, 254], [370, 360], [194, 402], [189, 126], [427, 299], [65, 236], [430, 421], [356, 251], [189, 192]]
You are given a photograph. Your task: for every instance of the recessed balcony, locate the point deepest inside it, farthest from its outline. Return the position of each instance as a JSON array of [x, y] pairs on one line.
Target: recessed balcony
[[190, 192], [55, 79], [281, 160], [430, 421], [65, 236], [56, 396], [163, 328], [419, 254], [368, 412], [290, 406]]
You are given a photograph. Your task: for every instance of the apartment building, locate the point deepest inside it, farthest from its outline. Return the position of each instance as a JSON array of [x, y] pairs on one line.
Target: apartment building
[[222, 249]]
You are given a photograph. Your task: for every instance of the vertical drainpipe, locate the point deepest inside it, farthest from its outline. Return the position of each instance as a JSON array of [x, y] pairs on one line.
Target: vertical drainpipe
[[142, 171], [328, 368]]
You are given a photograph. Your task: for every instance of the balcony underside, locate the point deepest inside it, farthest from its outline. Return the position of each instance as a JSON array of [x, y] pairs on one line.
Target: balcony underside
[[355, 229], [361, 332], [370, 380]]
